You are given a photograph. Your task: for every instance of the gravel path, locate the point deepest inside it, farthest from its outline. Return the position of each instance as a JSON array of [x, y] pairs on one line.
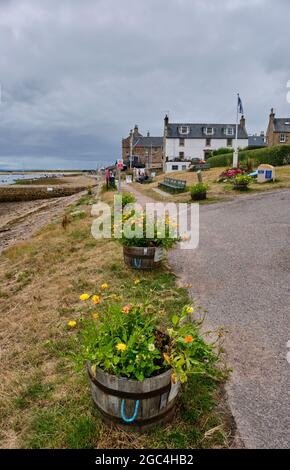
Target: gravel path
[[241, 274]]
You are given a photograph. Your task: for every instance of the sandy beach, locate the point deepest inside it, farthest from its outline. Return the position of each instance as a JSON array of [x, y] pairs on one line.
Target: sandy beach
[[19, 220]]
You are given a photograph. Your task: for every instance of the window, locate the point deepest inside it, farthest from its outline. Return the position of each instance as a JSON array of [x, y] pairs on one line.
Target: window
[[184, 130], [181, 142], [181, 154], [174, 167], [208, 142], [183, 167], [282, 138], [209, 130], [229, 131], [229, 142]]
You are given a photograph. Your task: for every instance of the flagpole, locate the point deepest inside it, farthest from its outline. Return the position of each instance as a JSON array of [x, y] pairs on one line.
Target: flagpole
[[236, 151]]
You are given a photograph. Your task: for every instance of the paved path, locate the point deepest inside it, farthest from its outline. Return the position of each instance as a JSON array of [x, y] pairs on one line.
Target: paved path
[[241, 274]]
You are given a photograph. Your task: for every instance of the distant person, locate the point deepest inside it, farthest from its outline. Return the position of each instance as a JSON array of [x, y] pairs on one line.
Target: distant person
[[107, 176]]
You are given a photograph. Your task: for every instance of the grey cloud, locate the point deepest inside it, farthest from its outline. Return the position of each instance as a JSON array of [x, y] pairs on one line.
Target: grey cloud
[[76, 76]]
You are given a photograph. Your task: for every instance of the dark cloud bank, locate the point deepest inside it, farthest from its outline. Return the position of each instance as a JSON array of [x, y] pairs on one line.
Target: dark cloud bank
[[76, 76]]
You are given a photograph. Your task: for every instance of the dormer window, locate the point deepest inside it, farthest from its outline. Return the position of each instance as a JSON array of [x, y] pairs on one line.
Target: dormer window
[[209, 130], [229, 131], [184, 130]]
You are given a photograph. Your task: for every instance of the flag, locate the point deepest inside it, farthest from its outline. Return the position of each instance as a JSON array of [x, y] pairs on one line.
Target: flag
[[240, 105]]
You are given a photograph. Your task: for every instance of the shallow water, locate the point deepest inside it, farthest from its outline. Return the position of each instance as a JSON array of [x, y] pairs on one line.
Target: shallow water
[[11, 178]]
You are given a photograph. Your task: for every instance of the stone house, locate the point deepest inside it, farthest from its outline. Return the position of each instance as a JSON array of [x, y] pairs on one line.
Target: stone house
[[146, 151], [278, 132]]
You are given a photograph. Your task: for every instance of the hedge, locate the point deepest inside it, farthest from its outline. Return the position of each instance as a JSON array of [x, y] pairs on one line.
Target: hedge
[[276, 156]]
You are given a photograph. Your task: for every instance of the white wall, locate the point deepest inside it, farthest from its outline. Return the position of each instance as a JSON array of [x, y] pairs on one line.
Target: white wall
[[194, 148], [182, 166]]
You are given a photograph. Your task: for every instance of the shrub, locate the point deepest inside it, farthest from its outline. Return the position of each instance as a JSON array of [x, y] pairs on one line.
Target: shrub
[[222, 151], [198, 188], [276, 156], [127, 198], [242, 180], [229, 174]]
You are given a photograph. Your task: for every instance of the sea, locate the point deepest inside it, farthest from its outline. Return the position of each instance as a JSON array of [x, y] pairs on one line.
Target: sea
[[11, 178]]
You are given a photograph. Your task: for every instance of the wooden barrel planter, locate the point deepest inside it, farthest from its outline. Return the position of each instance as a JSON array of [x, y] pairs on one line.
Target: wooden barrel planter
[[143, 257], [132, 404], [241, 186], [198, 196]]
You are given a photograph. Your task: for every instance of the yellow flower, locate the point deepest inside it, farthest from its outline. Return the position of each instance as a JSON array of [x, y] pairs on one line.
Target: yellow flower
[[121, 347], [84, 297], [166, 358], [174, 378], [137, 281], [72, 324], [105, 286], [95, 315], [188, 285], [189, 310], [96, 299]]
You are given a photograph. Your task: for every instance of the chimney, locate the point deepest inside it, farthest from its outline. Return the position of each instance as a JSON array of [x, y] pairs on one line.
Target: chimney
[[148, 134], [243, 122], [272, 114], [135, 132], [166, 120]]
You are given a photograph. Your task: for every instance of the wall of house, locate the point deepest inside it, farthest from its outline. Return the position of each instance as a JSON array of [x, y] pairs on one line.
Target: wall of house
[[274, 138], [178, 166], [194, 148], [149, 156]]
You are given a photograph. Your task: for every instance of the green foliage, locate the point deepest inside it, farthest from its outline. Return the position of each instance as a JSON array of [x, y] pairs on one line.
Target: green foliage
[[198, 188], [243, 179], [188, 353], [276, 156], [127, 198], [134, 229], [222, 151], [120, 342], [126, 342]]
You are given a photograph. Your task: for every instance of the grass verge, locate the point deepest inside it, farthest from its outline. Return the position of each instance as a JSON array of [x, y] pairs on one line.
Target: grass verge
[[45, 402]]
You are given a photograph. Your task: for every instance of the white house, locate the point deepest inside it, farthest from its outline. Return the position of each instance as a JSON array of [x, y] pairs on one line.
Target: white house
[[182, 142]]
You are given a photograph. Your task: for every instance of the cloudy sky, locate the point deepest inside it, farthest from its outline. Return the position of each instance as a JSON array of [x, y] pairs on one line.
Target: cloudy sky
[[76, 75]]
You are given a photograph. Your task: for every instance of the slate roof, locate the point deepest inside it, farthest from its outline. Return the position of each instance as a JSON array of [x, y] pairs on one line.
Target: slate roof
[[196, 131], [148, 142], [281, 126], [256, 141]]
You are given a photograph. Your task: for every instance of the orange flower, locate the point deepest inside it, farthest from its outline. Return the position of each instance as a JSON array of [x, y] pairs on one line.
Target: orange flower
[[96, 299], [126, 308], [95, 315], [188, 339], [174, 378]]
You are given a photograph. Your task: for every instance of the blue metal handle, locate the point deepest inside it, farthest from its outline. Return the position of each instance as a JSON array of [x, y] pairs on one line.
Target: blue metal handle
[[124, 418], [137, 263]]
